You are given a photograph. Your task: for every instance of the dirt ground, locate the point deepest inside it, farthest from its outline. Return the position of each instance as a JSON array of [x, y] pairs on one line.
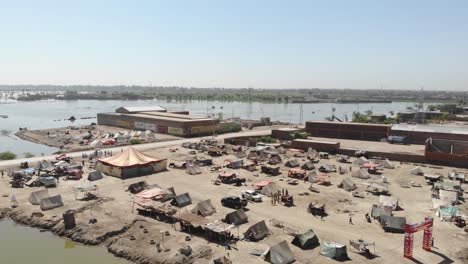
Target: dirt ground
[[57, 137], [117, 220]]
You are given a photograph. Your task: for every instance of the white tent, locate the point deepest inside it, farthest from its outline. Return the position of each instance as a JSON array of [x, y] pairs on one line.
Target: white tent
[[417, 171], [96, 143], [390, 201], [449, 197], [361, 161], [150, 135], [361, 173], [388, 165]]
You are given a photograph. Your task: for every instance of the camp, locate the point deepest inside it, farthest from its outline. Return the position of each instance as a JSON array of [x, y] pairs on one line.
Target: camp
[[36, 197], [393, 224], [236, 218], [193, 169], [347, 184], [307, 240], [130, 163], [417, 171], [361, 161], [308, 166], [269, 189], [181, 200], [51, 202], [204, 208], [361, 173], [257, 231], [388, 165], [334, 250], [94, 176], [280, 254], [292, 164]]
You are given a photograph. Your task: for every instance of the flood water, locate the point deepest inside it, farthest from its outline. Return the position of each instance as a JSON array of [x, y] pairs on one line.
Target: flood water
[[19, 244], [44, 114]]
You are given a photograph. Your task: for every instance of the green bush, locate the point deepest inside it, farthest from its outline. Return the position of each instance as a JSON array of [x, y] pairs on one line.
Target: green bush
[[28, 155], [135, 141], [7, 155], [266, 139]]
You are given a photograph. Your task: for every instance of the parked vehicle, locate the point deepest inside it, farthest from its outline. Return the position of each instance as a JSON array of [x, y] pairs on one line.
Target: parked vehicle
[[251, 195], [233, 202]]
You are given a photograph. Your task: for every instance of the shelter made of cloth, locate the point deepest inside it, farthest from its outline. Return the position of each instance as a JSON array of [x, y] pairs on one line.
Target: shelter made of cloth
[[204, 208], [307, 240], [280, 254], [257, 231]]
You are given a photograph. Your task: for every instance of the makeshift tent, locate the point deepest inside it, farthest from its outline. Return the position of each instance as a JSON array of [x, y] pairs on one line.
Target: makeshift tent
[[319, 178], [241, 154], [236, 218], [51, 202], [193, 169], [327, 168], [94, 176], [181, 200], [257, 231], [130, 163], [389, 201], [348, 185], [204, 208], [307, 240], [361, 161], [436, 203], [186, 144], [449, 197], [393, 224], [269, 189], [308, 166], [291, 163], [377, 188], [280, 254], [334, 250], [388, 165], [96, 143], [235, 164], [137, 187], [252, 155], [416, 171], [281, 150], [377, 212], [222, 260], [150, 136], [36, 197], [446, 213], [361, 173], [275, 160]]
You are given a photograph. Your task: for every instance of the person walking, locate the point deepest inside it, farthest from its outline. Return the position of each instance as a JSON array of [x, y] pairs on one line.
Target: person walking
[[351, 220]]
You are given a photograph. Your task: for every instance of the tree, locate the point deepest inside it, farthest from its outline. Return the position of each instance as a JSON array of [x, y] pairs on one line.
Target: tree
[[7, 155]]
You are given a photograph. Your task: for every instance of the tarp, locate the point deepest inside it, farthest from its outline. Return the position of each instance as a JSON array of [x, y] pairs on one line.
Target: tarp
[[389, 201], [446, 213], [51, 202], [416, 171], [36, 197], [94, 176], [348, 185], [204, 208], [96, 143], [281, 150], [137, 187], [130, 157], [319, 178], [334, 250], [236, 164], [377, 188], [308, 166], [436, 203], [394, 224], [448, 196], [361, 173], [269, 189], [193, 169], [280, 254], [257, 231], [307, 240], [236, 218], [388, 165], [181, 200], [186, 144], [291, 163], [377, 212], [361, 161], [275, 160]]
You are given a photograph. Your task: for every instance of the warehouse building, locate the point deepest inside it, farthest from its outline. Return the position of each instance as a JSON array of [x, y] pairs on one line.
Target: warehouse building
[[362, 131], [452, 152], [418, 134], [159, 120]]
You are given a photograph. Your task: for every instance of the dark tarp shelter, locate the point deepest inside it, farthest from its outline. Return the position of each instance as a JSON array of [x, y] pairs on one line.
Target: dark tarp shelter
[[236, 218], [204, 208], [393, 224], [36, 197], [137, 187], [334, 250], [94, 175], [291, 163], [51, 202], [377, 212], [307, 240], [181, 200], [257, 231], [308, 166], [280, 254]]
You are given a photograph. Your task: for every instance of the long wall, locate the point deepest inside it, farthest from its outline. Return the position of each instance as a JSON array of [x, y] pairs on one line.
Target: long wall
[[372, 132]]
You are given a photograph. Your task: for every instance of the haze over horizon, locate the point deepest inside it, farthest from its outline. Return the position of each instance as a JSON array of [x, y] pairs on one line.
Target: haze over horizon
[[264, 44]]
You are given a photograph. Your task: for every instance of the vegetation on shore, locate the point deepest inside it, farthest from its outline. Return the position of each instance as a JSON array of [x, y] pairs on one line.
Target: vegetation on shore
[[7, 155]]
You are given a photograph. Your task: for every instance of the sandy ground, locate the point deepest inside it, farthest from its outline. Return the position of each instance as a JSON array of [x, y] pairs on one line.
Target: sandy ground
[[57, 137], [117, 221]]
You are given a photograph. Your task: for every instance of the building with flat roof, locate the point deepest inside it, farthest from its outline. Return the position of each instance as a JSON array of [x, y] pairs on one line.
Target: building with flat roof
[[158, 120]]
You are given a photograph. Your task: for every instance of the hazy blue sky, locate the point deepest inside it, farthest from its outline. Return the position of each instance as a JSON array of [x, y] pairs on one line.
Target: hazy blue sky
[[265, 44]]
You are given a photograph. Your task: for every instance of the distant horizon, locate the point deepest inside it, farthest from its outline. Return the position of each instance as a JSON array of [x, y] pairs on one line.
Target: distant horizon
[[397, 45]]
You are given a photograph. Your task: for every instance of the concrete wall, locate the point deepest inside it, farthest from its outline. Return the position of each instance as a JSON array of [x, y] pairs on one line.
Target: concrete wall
[[304, 144], [371, 132]]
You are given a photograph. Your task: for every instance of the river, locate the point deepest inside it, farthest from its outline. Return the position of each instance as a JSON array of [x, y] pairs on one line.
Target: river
[[52, 113], [20, 244]]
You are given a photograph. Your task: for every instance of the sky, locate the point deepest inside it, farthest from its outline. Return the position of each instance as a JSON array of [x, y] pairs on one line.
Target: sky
[[355, 44]]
